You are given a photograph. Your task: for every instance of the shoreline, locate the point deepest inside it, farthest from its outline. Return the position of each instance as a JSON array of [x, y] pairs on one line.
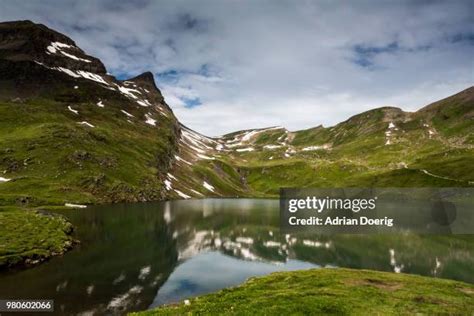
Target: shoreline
[[330, 291], [29, 237]]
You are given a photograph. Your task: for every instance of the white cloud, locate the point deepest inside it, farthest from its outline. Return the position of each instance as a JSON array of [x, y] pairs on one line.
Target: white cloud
[[276, 62]]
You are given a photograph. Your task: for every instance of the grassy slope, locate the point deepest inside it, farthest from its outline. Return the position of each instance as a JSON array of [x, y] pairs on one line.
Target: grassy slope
[[429, 148], [52, 159], [29, 237], [122, 161], [333, 291], [359, 157]]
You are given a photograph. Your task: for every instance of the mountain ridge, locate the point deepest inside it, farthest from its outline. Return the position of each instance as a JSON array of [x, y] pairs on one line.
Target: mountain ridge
[[27, 41], [71, 133]]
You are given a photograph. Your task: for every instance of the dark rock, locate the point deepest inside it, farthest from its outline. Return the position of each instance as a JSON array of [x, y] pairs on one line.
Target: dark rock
[[27, 41], [23, 200], [147, 81], [13, 166], [80, 155]]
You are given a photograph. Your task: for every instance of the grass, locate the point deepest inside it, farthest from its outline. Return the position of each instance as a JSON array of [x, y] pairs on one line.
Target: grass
[[52, 159], [332, 291], [29, 237]]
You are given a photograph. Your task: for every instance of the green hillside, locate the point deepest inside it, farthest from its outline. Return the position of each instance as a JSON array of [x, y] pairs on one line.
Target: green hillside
[[52, 156], [383, 147]]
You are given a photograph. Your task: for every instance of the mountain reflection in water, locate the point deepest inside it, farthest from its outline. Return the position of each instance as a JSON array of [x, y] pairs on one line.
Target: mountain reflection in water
[[136, 256]]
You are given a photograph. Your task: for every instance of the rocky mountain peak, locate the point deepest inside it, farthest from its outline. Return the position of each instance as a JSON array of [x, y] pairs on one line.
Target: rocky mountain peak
[[28, 41], [145, 79]]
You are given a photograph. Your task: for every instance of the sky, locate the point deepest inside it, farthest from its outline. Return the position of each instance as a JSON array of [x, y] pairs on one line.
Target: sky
[[231, 65]]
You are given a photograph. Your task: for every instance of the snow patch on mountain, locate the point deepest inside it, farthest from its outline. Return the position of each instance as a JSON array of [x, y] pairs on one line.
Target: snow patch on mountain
[[126, 113], [388, 133], [144, 102], [57, 47], [91, 76], [246, 136], [249, 135], [198, 139], [68, 72], [144, 272], [310, 148], [181, 194], [128, 92], [200, 145], [86, 123], [149, 120], [178, 158], [196, 192], [245, 149], [431, 131], [79, 74], [72, 110], [208, 186], [75, 57]]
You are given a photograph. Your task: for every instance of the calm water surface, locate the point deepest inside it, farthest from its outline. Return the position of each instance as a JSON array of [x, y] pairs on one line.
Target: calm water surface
[[138, 256]]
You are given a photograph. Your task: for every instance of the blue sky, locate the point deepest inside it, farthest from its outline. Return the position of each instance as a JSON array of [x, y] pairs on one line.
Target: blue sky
[[230, 65]]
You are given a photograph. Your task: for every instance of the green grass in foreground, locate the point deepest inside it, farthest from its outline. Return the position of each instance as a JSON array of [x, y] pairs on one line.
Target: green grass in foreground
[[333, 291], [27, 236]]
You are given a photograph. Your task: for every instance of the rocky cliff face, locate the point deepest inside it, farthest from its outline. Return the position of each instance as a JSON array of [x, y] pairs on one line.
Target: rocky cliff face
[[27, 41]]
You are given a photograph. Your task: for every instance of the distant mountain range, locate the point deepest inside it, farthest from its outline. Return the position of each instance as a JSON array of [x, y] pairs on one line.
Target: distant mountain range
[[71, 133]]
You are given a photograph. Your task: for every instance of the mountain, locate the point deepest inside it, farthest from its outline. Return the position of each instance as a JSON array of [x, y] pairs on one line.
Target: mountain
[[71, 133]]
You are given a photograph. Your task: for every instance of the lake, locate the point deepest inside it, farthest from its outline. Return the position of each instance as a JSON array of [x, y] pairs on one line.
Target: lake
[[138, 256]]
